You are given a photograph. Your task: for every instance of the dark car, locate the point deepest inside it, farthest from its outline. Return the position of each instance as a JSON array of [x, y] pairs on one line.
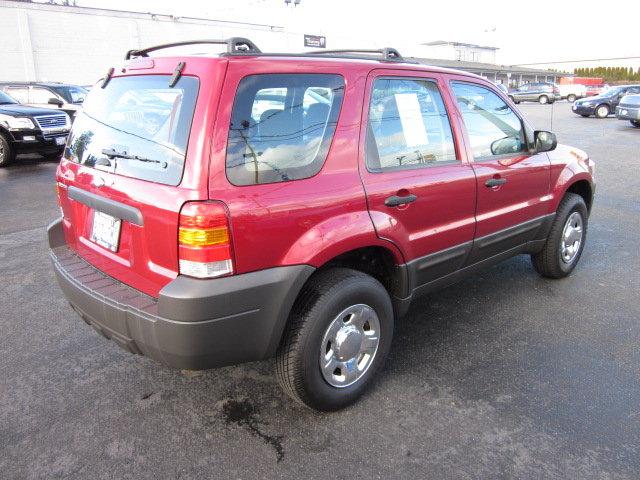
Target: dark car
[[541, 92], [629, 109], [25, 129], [64, 96], [246, 206], [601, 106]]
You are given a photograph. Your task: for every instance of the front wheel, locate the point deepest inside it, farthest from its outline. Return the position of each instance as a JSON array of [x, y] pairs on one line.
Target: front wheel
[[7, 153], [543, 99], [635, 123], [565, 241], [602, 111], [338, 336]]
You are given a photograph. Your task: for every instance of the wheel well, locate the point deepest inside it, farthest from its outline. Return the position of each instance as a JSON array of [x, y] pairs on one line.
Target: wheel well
[[583, 189], [375, 261]]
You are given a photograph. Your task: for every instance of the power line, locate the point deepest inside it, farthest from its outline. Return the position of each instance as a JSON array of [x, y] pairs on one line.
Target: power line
[[576, 61]]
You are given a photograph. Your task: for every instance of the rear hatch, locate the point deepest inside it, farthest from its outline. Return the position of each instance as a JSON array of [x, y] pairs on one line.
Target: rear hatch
[[139, 150]]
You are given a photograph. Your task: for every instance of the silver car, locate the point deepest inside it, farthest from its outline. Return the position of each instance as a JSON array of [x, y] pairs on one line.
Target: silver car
[[629, 109]]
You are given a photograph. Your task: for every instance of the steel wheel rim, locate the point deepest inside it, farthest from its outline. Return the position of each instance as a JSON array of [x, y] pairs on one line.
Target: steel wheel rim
[[543, 100], [1, 151], [602, 111], [571, 238], [349, 345]]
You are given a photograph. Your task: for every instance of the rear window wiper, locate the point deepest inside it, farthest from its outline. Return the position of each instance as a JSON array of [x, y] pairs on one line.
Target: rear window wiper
[[111, 153]]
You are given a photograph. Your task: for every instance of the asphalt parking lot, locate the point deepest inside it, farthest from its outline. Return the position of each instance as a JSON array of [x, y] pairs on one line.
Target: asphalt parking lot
[[505, 375]]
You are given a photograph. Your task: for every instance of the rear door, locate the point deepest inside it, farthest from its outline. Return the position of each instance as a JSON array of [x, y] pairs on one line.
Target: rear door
[[420, 188], [513, 184], [137, 152]]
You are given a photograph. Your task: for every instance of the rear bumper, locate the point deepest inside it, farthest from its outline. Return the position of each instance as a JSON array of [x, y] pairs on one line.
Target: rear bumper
[[194, 324]]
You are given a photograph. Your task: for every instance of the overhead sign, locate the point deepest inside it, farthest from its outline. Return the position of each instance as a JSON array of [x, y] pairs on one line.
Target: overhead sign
[[315, 41]]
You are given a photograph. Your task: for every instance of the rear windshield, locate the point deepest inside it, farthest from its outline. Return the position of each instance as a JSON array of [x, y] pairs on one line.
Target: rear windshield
[[137, 127], [282, 126]]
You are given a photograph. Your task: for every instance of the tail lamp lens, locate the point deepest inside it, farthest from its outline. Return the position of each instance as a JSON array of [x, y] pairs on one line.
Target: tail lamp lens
[[204, 242]]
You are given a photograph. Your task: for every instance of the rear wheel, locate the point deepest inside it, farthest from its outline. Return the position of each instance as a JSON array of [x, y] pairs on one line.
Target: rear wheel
[[338, 337], [543, 99], [571, 98], [565, 242], [602, 111], [7, 153], [635, 123]]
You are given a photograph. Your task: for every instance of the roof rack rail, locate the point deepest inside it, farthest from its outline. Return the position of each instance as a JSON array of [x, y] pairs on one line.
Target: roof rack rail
[[389, 54], [235, 45]]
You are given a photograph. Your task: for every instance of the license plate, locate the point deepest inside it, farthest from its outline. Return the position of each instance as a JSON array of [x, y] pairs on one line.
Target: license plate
[[61, 140], [105, 231]]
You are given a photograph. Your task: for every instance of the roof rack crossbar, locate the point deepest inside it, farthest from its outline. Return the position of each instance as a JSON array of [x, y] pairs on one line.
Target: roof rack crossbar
[[235, 45], [387, 53]]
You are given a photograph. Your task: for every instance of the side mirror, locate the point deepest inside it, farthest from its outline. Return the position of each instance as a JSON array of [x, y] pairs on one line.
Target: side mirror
[[55, 101], [545, 141], [506, 145]]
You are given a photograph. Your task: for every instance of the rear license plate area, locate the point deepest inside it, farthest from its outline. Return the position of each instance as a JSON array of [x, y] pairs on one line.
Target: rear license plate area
[[105, 231]]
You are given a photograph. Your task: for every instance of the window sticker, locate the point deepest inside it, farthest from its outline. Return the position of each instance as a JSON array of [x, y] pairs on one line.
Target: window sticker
[[413, 128]]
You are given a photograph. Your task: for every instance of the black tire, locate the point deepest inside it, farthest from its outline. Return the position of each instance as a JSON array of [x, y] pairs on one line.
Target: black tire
[[571, 98], [512, 99], [7, 153], [548, 262], [325, 296], [635, 123], [585, 115], [543, 99], [602, 111]]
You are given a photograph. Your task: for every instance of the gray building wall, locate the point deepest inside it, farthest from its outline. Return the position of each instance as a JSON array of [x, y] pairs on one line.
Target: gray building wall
[[77, 45]]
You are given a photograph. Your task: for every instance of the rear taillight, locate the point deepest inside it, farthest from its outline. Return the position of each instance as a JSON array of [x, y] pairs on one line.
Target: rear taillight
[[204, 240]]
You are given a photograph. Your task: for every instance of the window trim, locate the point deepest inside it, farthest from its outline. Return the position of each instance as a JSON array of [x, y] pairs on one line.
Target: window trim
[[457, 161], [523, 124], [329, 145]]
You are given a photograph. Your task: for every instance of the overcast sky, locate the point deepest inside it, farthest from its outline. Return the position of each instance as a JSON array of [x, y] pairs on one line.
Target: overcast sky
[[525, 31]]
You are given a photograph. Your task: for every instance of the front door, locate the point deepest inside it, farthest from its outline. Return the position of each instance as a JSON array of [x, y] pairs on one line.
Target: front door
[[513, 184], [420, 188]]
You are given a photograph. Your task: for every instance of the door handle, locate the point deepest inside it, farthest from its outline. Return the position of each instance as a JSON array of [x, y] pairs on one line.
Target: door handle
[[495, 182], [396, 201]]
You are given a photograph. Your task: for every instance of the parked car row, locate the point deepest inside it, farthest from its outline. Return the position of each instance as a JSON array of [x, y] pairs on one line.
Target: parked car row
[[601, 106]]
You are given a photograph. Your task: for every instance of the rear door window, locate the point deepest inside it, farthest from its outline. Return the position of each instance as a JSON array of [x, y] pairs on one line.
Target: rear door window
[[137, 127], [282, 126]]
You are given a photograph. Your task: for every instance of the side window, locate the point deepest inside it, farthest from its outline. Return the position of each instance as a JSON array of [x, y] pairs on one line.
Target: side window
[[408, 126], [40, 95], [282, 126], [21, 94], [493, 128]]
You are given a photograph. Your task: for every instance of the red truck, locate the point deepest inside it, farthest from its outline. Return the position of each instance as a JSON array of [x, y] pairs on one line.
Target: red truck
[[236, 207]]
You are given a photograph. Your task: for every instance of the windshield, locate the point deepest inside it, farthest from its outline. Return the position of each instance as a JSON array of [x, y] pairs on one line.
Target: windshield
[[71, 93], [6, 99], [137, 127]]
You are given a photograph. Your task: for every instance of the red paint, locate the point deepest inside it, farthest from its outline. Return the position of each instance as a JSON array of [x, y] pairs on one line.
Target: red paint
[[311, 221]]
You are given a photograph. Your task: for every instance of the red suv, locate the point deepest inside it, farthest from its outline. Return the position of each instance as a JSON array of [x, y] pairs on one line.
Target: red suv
[[235, 207]]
